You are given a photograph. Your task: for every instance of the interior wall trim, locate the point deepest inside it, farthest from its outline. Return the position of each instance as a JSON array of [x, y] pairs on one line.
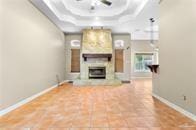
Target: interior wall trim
[[139, 77], [19, 104], [176, 107]]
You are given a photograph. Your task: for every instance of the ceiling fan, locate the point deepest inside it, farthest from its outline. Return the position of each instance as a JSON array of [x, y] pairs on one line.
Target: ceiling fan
[[94, 3]]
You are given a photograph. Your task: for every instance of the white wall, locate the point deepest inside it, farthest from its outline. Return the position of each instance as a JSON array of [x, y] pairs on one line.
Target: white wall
[[33, 52], [140, 46], [177, 53], [127, 55]]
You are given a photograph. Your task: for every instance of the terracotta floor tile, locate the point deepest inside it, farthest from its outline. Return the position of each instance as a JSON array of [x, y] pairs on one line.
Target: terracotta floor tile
[[129, 114], [99, 114], [142, 128], [80, 128], [167, 128], [59, 128], [82, 122], [99, 128], [152, 122], [120, 129], [117, 123], [99, 122], [125, 107], [62, 123]]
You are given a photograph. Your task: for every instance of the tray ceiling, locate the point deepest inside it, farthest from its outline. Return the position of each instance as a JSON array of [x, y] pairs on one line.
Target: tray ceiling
[[73, 15]]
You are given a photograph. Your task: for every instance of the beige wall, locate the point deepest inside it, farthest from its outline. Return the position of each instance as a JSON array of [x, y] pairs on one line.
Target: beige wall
[[1, 58], [140, 46], [126, 75], [68, 38], [127, 52], [1, 75], [177, 53], [33, 52]]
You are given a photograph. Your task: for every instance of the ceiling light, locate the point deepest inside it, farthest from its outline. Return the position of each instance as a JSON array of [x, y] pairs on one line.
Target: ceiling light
[[97, 18]]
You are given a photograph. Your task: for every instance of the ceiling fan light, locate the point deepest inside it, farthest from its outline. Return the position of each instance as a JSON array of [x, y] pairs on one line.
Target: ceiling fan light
[[97, 18]]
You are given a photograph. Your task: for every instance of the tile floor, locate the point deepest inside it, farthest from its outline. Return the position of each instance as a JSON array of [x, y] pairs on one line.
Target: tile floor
[[126, 107]]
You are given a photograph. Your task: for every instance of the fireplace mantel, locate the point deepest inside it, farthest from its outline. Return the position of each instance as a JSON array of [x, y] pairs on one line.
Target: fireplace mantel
[[108, 56]]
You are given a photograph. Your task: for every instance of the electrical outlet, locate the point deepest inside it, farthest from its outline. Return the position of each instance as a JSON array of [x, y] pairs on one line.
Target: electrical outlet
[[184, 97]]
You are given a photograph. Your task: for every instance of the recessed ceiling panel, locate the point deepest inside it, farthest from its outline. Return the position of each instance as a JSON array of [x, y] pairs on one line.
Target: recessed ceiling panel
[[121, 16]]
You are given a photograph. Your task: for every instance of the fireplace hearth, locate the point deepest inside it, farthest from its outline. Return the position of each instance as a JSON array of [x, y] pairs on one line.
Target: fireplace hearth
[[97, 72]]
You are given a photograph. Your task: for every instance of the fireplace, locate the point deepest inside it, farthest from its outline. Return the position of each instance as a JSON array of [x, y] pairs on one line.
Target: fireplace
[[97, 61], [97, 72]]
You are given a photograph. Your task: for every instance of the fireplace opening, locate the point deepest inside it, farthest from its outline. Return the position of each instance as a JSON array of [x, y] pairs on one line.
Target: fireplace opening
[[97, 72]]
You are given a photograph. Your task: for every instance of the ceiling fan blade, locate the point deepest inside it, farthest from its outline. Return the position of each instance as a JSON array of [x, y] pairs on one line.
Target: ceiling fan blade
[[106, 2]]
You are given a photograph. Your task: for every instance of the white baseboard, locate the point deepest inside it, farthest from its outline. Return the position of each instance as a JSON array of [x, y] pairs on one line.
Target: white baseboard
[[177, 108], [141, 77], [13, 107]]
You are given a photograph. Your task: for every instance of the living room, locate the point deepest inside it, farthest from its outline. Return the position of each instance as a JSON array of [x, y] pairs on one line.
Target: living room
[[97, 64]]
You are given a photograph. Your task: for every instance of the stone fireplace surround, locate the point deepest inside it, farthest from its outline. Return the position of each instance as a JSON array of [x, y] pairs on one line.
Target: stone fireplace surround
[[109, 78], [97, 62], [97, 53]]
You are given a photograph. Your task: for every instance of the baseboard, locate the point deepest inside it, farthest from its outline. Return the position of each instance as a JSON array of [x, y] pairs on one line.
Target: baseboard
[[141, 77], [17, 105], [177, 108]]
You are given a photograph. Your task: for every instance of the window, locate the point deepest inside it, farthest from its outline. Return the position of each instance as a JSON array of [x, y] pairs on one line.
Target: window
[[142, 60], [119, 64], [75, 60]]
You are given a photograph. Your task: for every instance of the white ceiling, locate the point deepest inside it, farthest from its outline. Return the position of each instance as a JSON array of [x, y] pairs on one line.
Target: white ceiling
[[123, 16]]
